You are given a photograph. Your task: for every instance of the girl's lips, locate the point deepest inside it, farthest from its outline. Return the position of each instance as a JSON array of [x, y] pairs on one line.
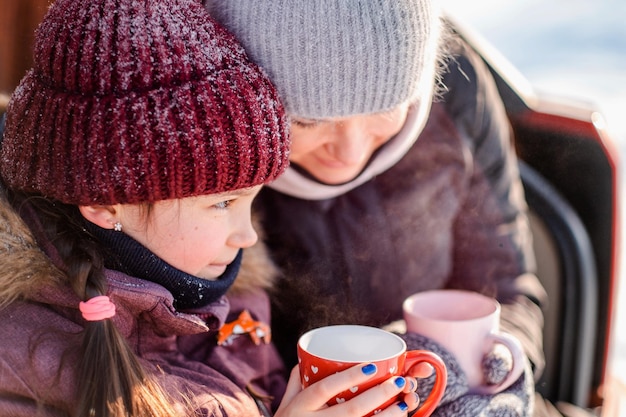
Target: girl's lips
[[214, 271], [219, 265], [224, 263]]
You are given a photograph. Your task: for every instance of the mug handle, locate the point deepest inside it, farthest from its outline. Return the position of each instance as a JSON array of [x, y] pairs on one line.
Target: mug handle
[[517, 353], [432, 401]]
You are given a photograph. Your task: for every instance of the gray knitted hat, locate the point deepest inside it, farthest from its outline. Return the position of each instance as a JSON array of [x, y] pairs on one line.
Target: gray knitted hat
[[332, 58]]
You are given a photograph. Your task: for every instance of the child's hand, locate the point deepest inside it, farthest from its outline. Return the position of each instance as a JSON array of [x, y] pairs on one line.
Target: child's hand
[[311, 401]]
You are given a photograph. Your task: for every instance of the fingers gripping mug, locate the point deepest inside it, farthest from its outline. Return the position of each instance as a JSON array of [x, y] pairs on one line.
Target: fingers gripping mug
[[327, 350], [467, 324]]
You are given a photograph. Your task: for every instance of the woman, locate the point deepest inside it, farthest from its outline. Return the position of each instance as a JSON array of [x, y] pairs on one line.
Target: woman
[[402, 176]]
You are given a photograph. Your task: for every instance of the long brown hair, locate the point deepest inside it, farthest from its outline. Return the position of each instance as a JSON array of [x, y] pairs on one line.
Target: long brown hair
[[110, 380]]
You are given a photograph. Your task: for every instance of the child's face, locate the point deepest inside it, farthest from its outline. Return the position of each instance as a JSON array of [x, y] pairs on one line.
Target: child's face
[[198, 235]]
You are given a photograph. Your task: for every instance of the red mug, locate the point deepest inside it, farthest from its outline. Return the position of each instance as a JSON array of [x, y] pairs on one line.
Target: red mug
[[327, 350]]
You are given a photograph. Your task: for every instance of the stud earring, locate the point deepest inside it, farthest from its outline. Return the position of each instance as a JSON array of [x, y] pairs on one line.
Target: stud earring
[[117, 227]]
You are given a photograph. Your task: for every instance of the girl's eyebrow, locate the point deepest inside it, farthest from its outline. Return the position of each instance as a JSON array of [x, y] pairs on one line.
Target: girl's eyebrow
[[237, 192]]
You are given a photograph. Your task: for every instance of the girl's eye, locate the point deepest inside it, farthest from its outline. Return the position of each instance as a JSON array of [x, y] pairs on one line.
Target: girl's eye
[[222, 205]]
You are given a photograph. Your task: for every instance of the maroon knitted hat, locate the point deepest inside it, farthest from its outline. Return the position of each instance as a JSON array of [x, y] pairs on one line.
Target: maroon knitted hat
[[138, 101]]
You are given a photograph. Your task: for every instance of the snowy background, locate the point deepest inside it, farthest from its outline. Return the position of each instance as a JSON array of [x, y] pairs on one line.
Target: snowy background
[[573, 49]]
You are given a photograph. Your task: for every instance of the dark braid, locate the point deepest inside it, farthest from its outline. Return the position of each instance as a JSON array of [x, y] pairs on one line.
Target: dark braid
[[111, 381]]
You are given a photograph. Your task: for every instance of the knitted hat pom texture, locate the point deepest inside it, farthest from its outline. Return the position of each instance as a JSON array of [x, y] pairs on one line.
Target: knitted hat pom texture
[[135, 101]]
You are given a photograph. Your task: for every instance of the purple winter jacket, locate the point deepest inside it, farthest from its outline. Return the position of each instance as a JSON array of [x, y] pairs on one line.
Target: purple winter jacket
[[37, 363]]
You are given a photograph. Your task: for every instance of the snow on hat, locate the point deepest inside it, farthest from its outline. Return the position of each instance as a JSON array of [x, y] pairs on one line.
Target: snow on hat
[[138, 101], [332, 58]]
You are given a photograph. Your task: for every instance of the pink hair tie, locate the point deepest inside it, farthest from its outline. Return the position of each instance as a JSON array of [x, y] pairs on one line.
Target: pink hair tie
[[97, 308]]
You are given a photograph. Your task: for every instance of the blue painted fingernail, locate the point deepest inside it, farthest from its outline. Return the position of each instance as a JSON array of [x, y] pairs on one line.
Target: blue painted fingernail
[[403, 406], [369, 369], [399, 381]]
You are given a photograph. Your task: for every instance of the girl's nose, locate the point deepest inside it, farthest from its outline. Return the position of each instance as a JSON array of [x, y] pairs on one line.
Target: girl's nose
[[245, 235]]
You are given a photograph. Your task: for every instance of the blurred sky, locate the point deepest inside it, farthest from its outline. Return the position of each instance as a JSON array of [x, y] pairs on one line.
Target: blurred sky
[[573, 49]]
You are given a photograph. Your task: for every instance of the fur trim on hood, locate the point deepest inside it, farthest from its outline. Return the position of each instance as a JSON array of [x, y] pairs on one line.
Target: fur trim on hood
[[24, 267]]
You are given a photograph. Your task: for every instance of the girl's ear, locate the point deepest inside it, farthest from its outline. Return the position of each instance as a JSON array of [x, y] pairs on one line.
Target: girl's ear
[[103, 216]]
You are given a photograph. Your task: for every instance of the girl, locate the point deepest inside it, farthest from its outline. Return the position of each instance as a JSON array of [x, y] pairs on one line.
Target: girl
[[132, 152]]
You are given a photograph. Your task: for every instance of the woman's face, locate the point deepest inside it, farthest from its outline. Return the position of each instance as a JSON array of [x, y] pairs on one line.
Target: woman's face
[[336, 150], [198, 235]]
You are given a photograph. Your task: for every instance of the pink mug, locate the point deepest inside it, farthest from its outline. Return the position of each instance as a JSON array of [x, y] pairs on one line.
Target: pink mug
[[467, 324], [327, 350]]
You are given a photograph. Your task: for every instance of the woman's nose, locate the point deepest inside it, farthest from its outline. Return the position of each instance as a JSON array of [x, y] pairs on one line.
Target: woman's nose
[[350, 144]]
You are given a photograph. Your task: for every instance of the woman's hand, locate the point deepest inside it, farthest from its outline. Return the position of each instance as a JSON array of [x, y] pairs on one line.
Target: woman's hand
[[311, 401]]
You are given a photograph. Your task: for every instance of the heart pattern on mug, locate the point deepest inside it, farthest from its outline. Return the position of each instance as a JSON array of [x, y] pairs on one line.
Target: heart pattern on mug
[[325, 351]]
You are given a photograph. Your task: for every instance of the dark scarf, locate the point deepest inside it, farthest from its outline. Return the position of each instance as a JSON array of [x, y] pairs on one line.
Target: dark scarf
[[123, 253]]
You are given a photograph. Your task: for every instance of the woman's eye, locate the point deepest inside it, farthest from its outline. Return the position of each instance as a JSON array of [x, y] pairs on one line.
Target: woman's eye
[[305, 124]]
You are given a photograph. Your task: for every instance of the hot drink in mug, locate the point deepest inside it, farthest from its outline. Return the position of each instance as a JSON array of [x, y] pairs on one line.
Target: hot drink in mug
[[327, 350], [466, 323]]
